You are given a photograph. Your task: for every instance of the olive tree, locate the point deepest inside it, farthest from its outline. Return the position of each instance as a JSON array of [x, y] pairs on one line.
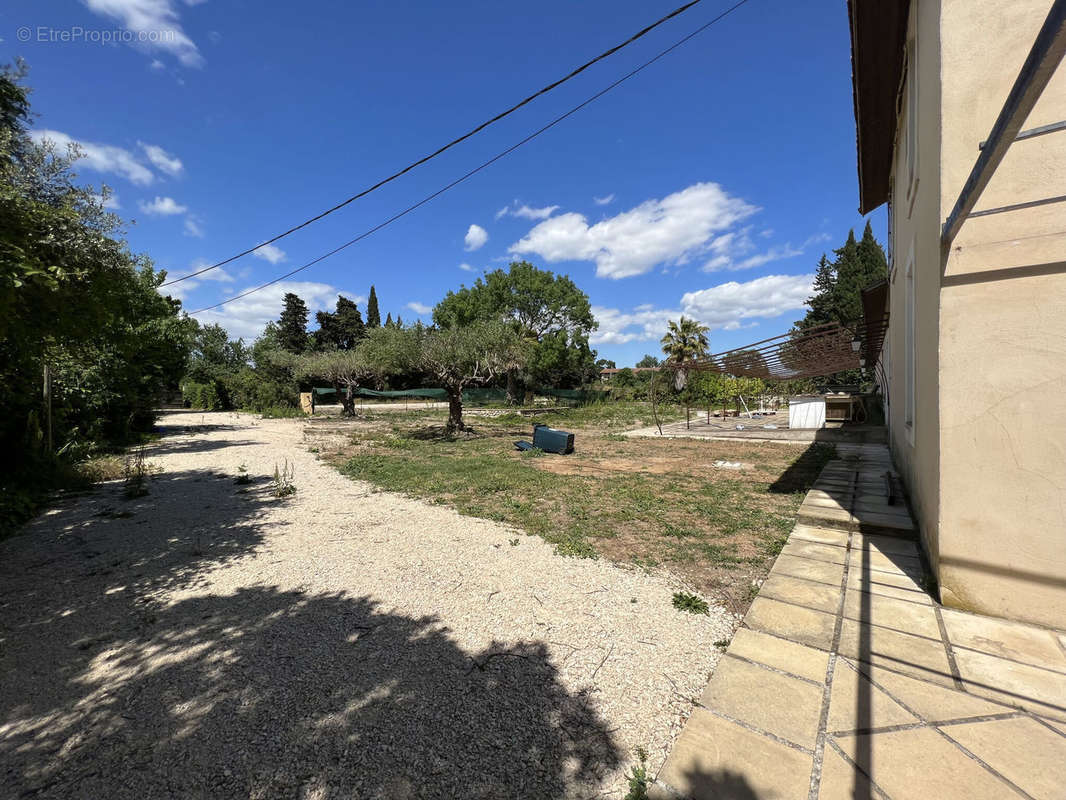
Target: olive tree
[[347, 369], [470, 355]]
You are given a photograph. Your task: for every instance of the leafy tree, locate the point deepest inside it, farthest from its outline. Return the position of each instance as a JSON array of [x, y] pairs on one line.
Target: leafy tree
[[341, 329], [648, 361], [292, 326], [373, 316], [343, 369], [455, 358], [606, 363], [547, 310], [73, 301], [838, 284]]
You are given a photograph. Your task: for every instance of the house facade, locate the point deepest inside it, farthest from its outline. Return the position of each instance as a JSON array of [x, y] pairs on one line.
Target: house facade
[[974, 362]]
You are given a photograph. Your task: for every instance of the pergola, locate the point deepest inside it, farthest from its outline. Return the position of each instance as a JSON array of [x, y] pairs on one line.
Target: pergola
[[816, 351]]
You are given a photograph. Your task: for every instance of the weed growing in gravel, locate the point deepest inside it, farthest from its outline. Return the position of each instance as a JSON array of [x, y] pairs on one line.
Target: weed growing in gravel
[[722, 644], [135, 473], [576, 548], [514, 542], [638, 777], [693, 604], [282, 480], [242, 475]]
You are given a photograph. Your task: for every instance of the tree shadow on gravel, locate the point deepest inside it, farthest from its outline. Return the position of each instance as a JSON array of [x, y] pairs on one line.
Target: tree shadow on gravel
[[113, 690]]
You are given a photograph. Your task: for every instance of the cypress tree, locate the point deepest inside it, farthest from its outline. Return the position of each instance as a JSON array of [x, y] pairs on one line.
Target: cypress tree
[[373, 316], [350, 327], [292, 325], [399, 321], [388, 320]]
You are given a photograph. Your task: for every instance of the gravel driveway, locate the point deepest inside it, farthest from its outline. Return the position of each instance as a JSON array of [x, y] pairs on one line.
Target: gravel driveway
[[208, 640]]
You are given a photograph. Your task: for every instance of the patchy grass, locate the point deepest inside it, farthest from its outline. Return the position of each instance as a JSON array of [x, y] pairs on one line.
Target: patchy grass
[[655, 503]]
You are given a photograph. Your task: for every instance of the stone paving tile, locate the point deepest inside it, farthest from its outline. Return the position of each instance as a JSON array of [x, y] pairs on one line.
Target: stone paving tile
[[1059, 726], [786, 707], [840, 780], [892, 677], [791, 622], [929, 701], [1039, 690], [886, 544], [822, 571], [849, 710], [807, 662], [890, 612], [825, 500], [810, 533], [1021, 750], [911, 655], [1002, 638], [881, 562], [920, 764], [885, 523], [877, 580], [819, 552], [715, 758], [820, 596]]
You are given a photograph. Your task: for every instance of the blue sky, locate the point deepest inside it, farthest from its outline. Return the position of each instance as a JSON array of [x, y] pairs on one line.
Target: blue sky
[[709, 184]]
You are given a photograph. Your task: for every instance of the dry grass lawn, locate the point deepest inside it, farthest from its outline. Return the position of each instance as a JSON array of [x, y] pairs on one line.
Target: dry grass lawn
[[648, 502]]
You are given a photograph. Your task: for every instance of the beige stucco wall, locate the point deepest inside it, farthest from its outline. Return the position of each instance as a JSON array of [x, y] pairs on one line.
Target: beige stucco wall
[[987, 470], [915, 229]]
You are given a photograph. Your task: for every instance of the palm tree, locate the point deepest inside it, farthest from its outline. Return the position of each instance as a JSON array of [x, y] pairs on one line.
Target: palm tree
[[685, 340]]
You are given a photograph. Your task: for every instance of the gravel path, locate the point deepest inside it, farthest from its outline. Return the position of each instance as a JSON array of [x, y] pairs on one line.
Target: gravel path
[[208, 640]]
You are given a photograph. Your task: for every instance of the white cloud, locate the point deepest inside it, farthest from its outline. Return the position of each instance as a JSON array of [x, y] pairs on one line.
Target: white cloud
[[269, 252], [419, 308], [667, 231], [163, 207], [467, 268], [730, 248], [193, 227], [218, 274], [155, 26], [156, 64], [728, 306], [526, 212], [161, 159], [248, 316], [603, 201], [476, 236], [100, 157]]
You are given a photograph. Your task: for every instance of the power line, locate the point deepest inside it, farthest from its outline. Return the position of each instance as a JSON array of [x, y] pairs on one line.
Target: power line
[[605, 54], [483, 165]]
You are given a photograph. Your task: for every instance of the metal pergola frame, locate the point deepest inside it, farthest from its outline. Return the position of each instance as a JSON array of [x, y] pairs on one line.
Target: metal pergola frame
[[1044, 58], [815, 352]]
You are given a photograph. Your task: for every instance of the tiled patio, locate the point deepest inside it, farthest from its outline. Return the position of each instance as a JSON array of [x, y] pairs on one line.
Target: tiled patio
[[846, 680]]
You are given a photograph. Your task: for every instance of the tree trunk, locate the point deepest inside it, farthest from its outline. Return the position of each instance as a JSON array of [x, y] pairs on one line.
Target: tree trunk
[[348, 400], [514, 388], [455, 412]]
